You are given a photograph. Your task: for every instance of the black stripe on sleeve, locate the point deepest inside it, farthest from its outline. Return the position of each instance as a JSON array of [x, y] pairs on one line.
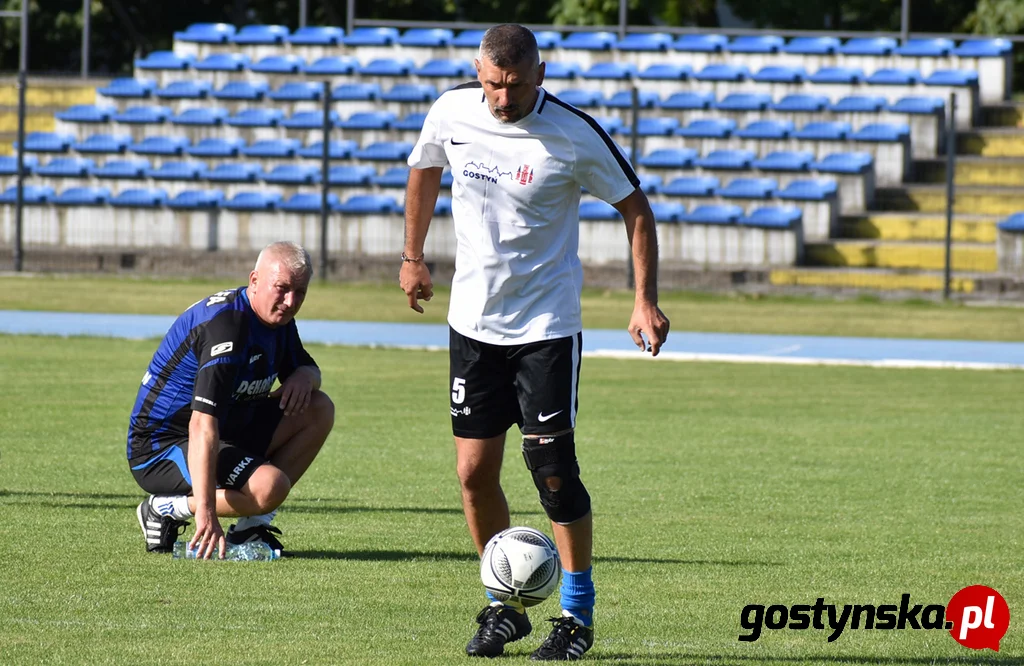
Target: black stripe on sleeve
[[626, 168]]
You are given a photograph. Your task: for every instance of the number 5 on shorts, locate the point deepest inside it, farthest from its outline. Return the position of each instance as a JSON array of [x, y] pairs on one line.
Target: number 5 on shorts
[[458, 391]]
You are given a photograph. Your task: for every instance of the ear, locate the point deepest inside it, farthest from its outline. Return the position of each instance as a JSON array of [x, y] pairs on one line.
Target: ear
[[540, 73], [253, 279]]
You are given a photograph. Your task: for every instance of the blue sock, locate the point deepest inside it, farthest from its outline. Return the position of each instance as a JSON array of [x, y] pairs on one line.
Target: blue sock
[[577, 593]]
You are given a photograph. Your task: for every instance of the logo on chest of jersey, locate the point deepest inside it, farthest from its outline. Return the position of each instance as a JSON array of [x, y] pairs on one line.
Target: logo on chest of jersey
[[254, 388], [523, 175]]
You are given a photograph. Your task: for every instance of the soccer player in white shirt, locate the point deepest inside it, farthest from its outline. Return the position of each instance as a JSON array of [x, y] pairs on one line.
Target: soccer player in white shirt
[[519, 157]]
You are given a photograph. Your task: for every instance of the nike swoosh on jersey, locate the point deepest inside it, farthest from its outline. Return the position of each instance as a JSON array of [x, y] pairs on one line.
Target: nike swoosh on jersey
[[459, 143], [542, 417]]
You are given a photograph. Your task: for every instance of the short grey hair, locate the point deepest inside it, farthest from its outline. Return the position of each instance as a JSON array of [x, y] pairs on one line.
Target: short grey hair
[[292, 255], [508, 45]]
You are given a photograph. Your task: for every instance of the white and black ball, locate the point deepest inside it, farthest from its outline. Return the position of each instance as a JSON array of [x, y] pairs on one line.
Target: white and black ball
[[520, 565]]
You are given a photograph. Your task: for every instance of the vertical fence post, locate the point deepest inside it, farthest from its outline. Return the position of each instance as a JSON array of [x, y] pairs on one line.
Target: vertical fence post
[[905, 22], [950, 193], [350, 16], [634, 148], [86, 35], [302, 13], [623, 6], [19, 204], [325, 181]]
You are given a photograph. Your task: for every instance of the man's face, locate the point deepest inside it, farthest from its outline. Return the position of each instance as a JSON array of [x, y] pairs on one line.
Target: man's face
[[276, 292], [510, 91]]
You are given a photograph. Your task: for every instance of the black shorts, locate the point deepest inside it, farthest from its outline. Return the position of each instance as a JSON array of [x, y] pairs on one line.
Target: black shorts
[[533, 385], [240, 452]]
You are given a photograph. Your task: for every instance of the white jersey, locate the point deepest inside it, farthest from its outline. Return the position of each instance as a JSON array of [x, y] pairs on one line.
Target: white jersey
[[515, 203]]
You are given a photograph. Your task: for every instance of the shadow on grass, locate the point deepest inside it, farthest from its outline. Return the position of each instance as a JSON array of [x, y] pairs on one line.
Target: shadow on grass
[[95, 496], [661, 560], [380, 555], [684, 659]]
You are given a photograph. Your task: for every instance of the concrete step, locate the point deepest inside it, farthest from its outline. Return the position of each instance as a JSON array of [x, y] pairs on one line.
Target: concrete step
[[973, 170], [974, 257], [1008, 114], [919, 227], [871, 279], [991, 142], [969, 199], [50, 92]]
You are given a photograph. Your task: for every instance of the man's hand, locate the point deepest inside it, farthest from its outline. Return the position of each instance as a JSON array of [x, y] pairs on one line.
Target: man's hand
[[209, 534], [414, 278], [648, 320], [296, 391]]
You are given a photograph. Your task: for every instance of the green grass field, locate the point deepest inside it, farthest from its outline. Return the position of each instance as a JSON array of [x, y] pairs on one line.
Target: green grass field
[[715, 486]]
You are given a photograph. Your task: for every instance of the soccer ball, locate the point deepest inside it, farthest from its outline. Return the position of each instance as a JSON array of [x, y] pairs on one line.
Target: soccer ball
[[520, 565]]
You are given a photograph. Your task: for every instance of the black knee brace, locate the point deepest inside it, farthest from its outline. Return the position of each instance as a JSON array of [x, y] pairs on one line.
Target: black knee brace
[[555, 457]]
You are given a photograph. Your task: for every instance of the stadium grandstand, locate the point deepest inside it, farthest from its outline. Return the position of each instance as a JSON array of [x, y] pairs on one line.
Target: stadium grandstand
[[806, 162]]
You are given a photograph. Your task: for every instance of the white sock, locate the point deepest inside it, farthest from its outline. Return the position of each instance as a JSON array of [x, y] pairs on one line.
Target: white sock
[[172, 506], [246, 522]]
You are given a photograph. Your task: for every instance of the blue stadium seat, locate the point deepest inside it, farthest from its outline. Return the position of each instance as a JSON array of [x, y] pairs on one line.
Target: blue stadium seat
[[164, 60], [387, 67], [869, 46], [87, 113], [160, 145], [842, 75], [204, 116], [256, 118], [305, 120], [755, 44], [744, 102], [926, 48], [561, 70], [748, 188], [130, 169], [368, 204], [780, 74], [708, 128], [337, 150], [823, 131], [178, 171], [445, 68], [733, 160], [83, 196], [801, 103], [272, 148], [279, 64], [589, 41], [645, 41], [253, 201], [385, 151], [351, 176], [723, 72], [443, 207], [651, 183], [582, 99], [30, 194], [858, 104], [548, 39], [293, 174], [260, 34], [609, 124], [785, 160], [298, 91], [196, 200], [894, 77], [9, 164], [142, 115], [216, 147], [410, 93], [882, 132], [691, 186], [766, 129], [623, 99], [317, 35], [67, 167], [129, 88], [666, 71], [412, 122], [598, 211], [668, 211], [468, 39], [1014, 223], [810, 189], [647, 126], [206, 33], [235, 172], [143, 197], [700, 43], [371, 37], [303, 202], [426, 37], [714, 214], [446, 180], [223, 62], [395, 177], [669, 158], [614, 71], [918, 105], [689, 100], [356, 92], [951, 77], [242, 91], [983, 48], [812, 46], [368, 120], [844, 163], [46, 142], [772, 217], [332, 66]]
